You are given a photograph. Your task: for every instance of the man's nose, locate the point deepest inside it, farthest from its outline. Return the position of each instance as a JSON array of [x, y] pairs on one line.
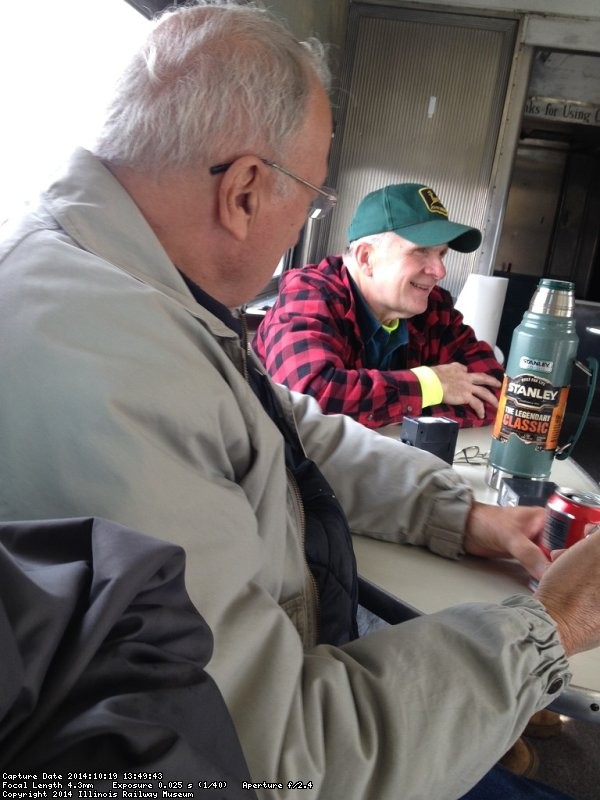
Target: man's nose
[[436, 267]]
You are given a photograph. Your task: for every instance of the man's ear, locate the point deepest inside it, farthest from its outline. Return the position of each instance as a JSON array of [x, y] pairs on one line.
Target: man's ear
[[240, 195], [362, 253]]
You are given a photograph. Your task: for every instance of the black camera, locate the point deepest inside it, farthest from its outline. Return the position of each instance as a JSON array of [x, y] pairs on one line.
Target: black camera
[[434, 434]]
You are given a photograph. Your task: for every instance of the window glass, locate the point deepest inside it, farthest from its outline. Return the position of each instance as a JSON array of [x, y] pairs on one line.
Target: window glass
[[58, 62]]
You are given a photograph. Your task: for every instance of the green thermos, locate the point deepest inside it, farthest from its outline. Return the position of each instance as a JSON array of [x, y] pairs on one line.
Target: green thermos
[[534, 394]]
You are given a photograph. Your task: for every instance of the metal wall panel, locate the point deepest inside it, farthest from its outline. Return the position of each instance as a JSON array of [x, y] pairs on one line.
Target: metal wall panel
[[424, 100]]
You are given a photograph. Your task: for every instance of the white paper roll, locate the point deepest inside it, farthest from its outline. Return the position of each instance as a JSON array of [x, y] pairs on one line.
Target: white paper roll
[[481, 302]]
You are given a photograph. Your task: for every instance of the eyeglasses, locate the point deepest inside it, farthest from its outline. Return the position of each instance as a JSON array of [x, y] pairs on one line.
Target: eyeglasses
[[471, 455], [322, 204]]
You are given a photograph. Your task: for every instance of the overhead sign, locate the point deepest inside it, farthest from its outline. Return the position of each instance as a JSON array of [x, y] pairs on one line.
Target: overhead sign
[[552, 108]]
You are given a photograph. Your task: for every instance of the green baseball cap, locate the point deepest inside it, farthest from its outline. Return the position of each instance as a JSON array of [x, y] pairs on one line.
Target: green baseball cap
[[414, 212]]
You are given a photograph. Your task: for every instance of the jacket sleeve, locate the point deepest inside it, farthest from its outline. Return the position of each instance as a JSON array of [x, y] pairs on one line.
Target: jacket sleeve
[[434, 672], [310, 342], [410, 496]]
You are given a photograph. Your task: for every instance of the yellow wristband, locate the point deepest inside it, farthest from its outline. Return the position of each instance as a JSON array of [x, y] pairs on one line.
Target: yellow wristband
[[432, 390]]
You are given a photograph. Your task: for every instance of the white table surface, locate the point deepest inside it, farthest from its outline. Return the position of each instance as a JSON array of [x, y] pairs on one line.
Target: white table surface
[[429, 582]]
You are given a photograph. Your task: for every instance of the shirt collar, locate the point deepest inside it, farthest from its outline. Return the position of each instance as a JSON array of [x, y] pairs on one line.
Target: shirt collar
[[214, 306], [368, 323]]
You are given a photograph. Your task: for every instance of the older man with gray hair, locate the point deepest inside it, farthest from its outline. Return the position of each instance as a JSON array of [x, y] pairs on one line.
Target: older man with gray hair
[[371, 333]]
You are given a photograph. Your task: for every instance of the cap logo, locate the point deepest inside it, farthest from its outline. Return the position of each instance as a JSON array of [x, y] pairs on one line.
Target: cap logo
[[432, 201]]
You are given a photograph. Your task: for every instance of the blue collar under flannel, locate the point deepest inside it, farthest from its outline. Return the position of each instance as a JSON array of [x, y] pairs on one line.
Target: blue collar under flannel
[[381, 345]]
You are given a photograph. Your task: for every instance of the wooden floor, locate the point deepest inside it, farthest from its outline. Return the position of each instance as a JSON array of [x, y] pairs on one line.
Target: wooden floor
[[571, 761]]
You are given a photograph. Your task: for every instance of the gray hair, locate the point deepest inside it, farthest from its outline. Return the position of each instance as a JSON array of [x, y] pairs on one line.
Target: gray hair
[[214, 80], [374, 239]]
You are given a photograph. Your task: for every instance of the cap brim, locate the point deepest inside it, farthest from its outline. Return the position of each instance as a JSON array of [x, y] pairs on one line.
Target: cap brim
[[440, 231]]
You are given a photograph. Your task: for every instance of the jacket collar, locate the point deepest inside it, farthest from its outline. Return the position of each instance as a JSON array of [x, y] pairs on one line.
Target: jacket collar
[[93, 208]]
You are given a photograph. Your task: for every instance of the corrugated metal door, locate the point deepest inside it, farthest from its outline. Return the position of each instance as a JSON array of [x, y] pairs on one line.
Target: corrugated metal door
[[422, 98]]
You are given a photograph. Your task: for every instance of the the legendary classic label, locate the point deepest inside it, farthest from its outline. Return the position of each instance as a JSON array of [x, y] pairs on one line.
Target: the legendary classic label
[[532, 408]]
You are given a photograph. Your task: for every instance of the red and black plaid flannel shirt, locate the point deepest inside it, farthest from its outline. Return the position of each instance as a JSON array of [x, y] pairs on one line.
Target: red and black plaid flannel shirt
[[310, 340]]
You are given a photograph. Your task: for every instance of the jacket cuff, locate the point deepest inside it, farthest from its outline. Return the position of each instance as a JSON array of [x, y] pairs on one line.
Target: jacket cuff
[[554, 667], [448, 519]]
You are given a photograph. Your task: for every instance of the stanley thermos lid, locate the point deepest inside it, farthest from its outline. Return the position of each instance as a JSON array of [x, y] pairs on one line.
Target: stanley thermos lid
[[556, 298]]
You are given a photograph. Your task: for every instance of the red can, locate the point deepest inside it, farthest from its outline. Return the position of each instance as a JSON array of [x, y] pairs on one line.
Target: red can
[[570, 517]]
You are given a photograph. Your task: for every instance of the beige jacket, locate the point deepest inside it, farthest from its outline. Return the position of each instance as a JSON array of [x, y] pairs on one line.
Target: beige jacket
[[123, 398]]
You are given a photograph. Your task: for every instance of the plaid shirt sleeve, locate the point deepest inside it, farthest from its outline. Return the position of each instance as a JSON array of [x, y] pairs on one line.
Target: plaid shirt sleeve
[[310, 341]]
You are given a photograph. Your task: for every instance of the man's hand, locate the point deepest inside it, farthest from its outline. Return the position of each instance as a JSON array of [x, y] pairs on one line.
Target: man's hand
[[464, 388], [569, 585], [570, 593], [507, 532]]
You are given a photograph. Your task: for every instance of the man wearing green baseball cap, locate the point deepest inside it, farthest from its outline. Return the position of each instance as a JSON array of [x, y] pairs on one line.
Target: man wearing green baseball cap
[[370, 333]]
